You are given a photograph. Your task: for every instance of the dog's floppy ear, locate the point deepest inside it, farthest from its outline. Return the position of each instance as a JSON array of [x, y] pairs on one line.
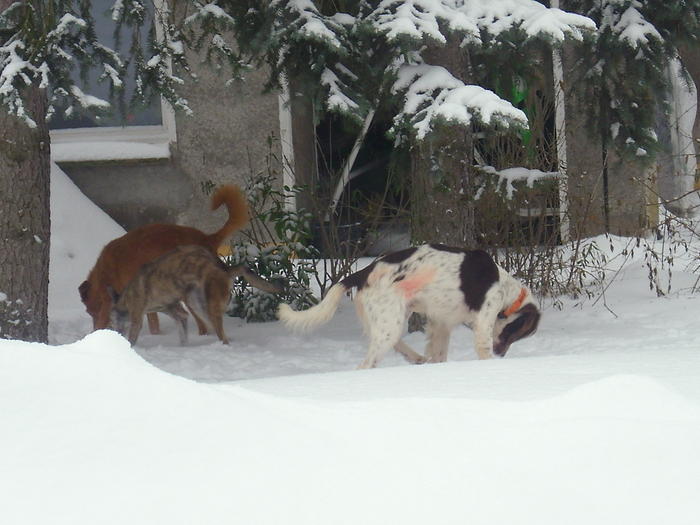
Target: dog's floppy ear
[[525, 324], [84, 290]]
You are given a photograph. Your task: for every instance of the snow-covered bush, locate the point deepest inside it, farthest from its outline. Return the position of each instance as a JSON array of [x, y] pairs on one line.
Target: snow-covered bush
[[518, 222], [275, 246]]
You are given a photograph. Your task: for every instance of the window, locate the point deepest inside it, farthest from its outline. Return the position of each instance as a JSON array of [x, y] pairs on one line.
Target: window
[[152, 123]]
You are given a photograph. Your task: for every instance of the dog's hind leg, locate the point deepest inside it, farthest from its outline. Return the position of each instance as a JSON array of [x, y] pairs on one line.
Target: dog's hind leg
[[216, 318], [218, 293], [197, 304], [409, 353], [383, 322], [179, 315], [438, 341], [202, 327], [153, 324]]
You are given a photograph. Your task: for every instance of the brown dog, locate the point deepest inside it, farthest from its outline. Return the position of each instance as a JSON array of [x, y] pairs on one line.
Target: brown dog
[[190, 274], [122, 258]]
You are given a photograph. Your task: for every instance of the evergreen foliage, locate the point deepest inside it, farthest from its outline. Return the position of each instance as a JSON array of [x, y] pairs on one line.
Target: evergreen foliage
[[355, 56], [290, 260], [46, 42], [624, 69], [369, 55]]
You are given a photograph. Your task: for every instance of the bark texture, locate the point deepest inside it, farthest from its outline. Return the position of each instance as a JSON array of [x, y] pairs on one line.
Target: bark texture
[[24, 222]]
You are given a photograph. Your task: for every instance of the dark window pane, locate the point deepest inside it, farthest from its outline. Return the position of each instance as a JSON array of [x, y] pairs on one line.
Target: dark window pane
[[122, 114]]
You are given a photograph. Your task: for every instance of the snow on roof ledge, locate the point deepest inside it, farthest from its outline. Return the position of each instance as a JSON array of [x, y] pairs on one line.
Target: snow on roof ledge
[[107, 151], [110, 144]]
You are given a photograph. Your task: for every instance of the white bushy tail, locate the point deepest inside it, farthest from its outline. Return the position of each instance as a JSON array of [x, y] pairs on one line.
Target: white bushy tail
[[321, 313]]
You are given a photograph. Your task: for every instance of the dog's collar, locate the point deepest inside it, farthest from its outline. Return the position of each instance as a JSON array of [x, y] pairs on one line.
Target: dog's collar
[[515, 306]]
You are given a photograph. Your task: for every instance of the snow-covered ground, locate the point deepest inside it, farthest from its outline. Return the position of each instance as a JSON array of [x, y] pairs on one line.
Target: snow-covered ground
[[594, 419]]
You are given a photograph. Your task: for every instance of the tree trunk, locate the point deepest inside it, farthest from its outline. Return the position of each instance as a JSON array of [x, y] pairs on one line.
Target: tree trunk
[[24, 222], [442, 201], [442, 205], [690, 56]]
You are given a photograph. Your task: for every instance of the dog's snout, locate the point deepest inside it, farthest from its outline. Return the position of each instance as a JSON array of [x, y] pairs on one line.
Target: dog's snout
[[499, 350]]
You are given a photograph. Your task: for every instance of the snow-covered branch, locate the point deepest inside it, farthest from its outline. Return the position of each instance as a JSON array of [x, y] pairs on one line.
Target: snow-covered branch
[[208, 12], [23, 64], [421, 19], [432, 94], [337, 99], [629, 25], [16, 73], [535, 19], [307, 22], [430, 19], [506, 177]]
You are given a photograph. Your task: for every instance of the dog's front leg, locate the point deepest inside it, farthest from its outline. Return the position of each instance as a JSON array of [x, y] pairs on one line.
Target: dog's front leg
[[483, 342], [135, 328], [101, 320], [485, 321], [483, 335]]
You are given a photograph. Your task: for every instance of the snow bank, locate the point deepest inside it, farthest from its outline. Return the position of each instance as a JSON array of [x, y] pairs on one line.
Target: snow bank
[[94, 434], [79, 230]]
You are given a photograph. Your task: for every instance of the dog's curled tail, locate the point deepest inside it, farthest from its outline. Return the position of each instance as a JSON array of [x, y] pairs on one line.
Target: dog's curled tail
[[234, 199], [321, 313]]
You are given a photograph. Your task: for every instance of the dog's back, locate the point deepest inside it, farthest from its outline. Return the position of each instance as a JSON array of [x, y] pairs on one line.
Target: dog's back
[[171, 277], [188, 273], [121, 259]]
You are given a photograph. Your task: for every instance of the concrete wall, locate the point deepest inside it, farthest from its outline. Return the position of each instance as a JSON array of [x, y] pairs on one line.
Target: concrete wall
[[626, 210], [224, 141], [133, 193]]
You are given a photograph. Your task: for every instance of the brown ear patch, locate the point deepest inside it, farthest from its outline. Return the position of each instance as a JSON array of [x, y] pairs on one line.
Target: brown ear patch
[[524, 325], [83, 290]]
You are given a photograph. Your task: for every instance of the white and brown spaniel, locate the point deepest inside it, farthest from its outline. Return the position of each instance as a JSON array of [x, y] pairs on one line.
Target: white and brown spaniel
[[449, 285]]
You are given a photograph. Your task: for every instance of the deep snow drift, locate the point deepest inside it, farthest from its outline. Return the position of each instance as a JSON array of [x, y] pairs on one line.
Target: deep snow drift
[[594, 419]]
